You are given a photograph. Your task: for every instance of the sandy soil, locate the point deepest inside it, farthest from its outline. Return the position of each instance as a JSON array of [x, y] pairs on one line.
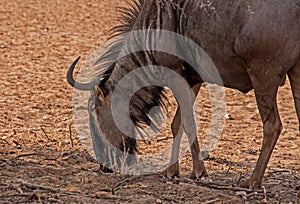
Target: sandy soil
[[41, 159]]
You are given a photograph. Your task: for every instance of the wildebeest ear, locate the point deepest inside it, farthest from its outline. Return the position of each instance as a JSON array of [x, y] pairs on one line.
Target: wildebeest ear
[[100, 93]]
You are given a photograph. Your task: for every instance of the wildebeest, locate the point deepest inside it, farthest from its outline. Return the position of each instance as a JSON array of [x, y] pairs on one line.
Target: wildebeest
[[254, 45]]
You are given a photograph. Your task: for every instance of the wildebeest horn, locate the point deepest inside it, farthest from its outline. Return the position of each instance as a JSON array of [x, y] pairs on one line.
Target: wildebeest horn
[[77, 85]]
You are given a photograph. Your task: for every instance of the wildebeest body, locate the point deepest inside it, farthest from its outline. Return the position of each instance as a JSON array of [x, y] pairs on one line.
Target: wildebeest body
[[253, 44], [239, 34]]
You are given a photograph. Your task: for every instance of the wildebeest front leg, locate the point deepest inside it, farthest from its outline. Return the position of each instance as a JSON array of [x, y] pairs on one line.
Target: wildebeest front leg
[[177, 131], [271, 130], [173, 168], [189, 126], [199, 169], [294, 77]]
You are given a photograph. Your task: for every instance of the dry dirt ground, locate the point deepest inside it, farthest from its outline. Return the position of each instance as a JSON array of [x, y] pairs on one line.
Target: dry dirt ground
[[41, 160]]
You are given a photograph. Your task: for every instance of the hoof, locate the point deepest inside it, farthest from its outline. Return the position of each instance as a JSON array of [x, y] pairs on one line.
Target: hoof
[[104, 169], [250, 184], [199, 174], [172, 171]]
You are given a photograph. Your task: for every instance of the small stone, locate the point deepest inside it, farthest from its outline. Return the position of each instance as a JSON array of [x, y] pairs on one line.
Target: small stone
[[158, 201], [228, 116]]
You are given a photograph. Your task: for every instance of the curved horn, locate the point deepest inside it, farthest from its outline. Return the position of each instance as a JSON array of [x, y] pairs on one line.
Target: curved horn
[[77, 85]]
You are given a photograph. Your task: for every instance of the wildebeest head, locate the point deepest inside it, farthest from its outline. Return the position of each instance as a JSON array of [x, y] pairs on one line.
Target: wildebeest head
[[114, 150]]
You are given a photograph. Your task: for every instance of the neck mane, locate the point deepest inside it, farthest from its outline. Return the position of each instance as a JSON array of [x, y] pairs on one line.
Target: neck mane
[[106, 65]]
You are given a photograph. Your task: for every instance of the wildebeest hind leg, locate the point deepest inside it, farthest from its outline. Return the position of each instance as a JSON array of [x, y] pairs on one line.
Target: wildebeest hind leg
[[272, 127], [294, 77]]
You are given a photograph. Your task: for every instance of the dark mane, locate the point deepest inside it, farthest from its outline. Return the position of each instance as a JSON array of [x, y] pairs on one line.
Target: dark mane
[[144, 99], [128, 16]]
